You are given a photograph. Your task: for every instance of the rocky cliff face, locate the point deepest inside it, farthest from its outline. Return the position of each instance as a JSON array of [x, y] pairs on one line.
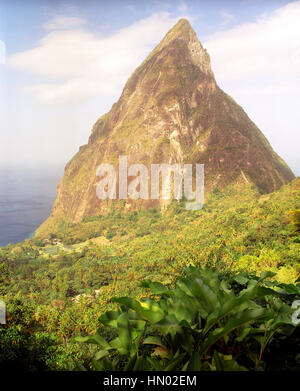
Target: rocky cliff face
[[171, 111]]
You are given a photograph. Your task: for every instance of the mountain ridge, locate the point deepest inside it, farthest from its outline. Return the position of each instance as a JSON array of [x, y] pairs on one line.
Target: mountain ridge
[[171, 110]]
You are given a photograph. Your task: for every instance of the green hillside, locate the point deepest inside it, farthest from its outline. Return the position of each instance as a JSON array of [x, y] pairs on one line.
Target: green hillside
[[56, 286]]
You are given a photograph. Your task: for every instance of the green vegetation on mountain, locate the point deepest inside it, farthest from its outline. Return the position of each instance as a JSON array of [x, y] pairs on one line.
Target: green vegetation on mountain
[[56, 286]]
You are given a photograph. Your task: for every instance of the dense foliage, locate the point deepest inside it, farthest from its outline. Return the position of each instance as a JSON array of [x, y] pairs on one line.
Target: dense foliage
[[56, 286], [201, 324]]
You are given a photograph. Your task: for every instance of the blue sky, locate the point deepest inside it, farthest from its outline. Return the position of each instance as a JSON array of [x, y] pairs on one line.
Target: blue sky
[[67, 62]]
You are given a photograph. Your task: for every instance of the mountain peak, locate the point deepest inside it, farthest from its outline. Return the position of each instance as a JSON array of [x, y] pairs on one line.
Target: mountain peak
[[183, 25], [182, 32], [171, 111]]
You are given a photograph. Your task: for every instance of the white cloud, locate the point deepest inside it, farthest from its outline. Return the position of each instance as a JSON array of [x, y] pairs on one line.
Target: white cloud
[[82, 65], [279, 89], [64, 22], [77, 65], [2, 52], [265, 47], [226, 17]]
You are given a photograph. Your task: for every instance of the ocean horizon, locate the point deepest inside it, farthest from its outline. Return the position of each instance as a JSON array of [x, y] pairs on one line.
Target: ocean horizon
[[26, 200]]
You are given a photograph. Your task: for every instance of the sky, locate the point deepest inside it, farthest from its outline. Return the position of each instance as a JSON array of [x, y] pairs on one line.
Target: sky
[[64, 63]]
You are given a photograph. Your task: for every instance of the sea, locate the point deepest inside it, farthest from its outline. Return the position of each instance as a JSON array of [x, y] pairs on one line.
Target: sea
[[26, 200]]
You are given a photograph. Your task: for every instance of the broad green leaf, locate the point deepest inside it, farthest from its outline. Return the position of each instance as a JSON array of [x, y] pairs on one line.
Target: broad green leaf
[[241, 279], [157, 288], [102, 353], [140, 364], [244, 334], [155, 364], [124, 333], [169, 325], [218, 362], [94, 339], [194, 363], [204, 293], [97, 365], [116, 343], [290, 289], [266, 274], [131, 363], [107, 365], [173, 365], [234, 322], [143, 309], [109, 318], [153, 340]]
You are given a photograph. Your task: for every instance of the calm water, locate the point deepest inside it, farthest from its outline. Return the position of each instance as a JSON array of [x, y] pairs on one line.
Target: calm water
[[26, 199]]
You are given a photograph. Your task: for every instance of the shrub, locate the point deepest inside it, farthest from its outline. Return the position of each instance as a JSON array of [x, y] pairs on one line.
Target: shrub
[[201, 324]]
